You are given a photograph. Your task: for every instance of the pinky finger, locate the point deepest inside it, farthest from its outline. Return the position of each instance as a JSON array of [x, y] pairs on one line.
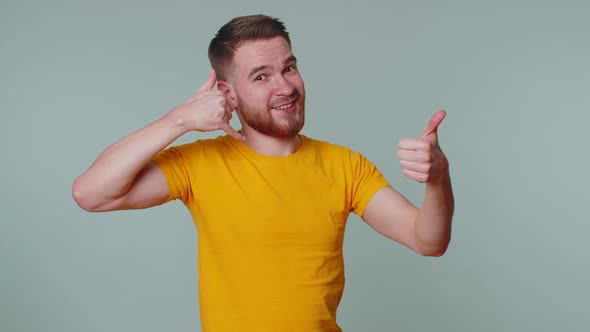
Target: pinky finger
[[232, 132], [416, 176]]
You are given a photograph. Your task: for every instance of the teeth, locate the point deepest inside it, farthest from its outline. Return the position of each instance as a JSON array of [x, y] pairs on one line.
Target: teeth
[[284, 107]]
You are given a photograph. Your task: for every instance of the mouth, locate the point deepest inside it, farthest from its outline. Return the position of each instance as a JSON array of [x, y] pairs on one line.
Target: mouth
[[286, 108]]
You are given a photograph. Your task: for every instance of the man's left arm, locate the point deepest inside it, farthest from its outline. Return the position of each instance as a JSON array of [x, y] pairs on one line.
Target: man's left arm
[[425, 230]]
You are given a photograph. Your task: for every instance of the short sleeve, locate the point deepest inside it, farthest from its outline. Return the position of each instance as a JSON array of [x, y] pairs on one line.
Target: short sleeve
[[178, 169], [367, 180]]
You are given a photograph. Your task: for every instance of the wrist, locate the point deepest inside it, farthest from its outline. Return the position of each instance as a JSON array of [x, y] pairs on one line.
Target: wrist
[[443, 174], [176, 121]]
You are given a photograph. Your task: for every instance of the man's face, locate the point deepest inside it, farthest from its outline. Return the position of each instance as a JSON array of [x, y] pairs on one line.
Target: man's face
[[268, 88]]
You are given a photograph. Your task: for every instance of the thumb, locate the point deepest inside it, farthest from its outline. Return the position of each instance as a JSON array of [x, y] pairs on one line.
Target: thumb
[[210, 83], [433, 124]]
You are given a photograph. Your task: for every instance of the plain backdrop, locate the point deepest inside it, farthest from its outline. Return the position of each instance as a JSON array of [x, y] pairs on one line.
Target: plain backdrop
[[514, 77]]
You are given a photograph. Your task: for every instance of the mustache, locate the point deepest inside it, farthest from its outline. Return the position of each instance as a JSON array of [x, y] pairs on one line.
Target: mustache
[[285, 100]]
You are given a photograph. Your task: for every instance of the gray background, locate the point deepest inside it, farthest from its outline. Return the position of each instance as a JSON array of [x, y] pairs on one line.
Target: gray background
[[75, 76]]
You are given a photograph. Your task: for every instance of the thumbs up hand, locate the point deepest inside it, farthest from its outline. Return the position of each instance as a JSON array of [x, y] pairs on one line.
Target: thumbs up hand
[[421, 159]]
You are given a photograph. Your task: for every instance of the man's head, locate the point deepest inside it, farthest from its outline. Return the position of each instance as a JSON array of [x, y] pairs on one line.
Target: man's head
[[237, 32], [258, 72]]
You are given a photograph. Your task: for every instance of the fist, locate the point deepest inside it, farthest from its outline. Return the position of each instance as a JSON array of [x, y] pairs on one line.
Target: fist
[[421, 159]]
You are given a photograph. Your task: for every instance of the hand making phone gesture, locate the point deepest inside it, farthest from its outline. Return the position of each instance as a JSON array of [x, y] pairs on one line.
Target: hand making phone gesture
[[208, 110]]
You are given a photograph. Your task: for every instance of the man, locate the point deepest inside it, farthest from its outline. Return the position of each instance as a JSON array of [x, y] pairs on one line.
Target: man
[[270, 205]]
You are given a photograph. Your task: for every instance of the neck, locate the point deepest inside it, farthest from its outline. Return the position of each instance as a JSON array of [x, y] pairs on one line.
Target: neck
[[271, 146]]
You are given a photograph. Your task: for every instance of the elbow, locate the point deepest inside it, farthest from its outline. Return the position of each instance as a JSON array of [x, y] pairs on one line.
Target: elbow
[[81, 196], [434, 251]]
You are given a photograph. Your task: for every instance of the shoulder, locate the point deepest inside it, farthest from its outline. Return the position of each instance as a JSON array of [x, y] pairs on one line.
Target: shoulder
[[204, 144], [337, 154], [325, 146], [192, 151], [334, 156], [332, 150]]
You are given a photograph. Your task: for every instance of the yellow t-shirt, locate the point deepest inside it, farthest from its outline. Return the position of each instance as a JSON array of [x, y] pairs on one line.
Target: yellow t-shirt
[[270, 229]]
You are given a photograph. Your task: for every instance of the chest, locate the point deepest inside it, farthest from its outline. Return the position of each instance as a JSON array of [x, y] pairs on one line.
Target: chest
[[301, 204]]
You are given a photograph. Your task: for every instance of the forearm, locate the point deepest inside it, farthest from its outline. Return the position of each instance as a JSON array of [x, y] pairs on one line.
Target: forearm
[[433, 223], [113, 172]]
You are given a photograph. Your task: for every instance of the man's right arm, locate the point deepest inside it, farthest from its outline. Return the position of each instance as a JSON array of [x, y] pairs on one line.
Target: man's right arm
[[123, 177]]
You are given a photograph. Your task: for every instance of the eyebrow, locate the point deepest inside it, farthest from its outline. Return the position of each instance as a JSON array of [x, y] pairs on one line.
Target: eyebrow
[[254, 70]]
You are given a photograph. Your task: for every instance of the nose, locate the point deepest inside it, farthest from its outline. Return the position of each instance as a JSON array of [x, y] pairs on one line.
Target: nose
[[283, 87]]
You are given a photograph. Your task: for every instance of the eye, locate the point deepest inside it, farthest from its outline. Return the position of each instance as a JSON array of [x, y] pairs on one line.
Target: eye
[[290, 68], [260, 78]]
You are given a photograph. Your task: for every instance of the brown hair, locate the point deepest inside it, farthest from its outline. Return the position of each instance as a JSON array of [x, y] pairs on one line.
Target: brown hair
[[236, 32]]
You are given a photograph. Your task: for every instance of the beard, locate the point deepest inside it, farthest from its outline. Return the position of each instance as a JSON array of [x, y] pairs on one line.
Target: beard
[[261, 118]]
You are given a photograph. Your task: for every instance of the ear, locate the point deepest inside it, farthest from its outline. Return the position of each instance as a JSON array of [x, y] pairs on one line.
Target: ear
[[229, 91]]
